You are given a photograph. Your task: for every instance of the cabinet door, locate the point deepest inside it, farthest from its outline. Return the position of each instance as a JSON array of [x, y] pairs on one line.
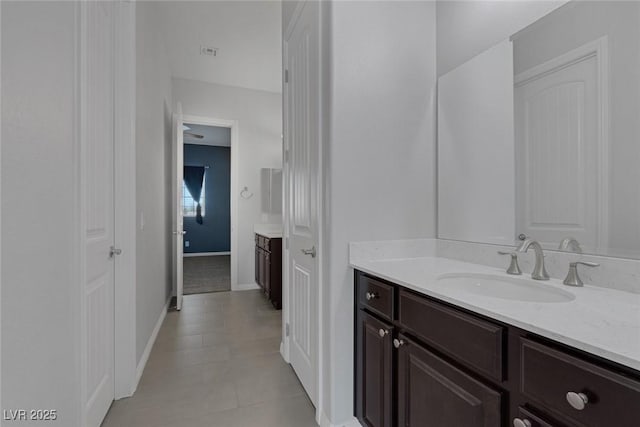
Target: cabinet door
[[374, 372], [267, 273], [261, 268], [434, 393], [257, 266]]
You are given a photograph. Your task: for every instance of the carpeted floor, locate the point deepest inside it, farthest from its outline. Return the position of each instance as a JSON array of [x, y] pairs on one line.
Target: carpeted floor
[[204, 274]]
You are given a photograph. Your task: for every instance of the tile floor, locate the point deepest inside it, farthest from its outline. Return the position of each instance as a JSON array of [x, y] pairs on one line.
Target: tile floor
[[217, 364]]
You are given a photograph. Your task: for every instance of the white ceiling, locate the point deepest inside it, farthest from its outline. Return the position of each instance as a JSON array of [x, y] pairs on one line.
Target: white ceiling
[[247, 34], [212, 135]]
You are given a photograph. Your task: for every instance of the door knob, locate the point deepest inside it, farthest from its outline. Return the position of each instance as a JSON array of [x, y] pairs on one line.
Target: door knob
[[517, 422], [113, 251], [383, 332], [398, 343], [311, 251], [577, 400]]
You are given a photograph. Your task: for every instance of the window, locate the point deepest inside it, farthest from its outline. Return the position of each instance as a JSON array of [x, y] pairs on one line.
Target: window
[[188, 204]]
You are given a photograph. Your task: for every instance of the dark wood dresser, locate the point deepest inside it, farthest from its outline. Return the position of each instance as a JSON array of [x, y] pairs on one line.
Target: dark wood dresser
[[268, 268]]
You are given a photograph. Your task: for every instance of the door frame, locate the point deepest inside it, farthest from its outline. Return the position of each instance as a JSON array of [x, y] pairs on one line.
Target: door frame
[[233, 125]]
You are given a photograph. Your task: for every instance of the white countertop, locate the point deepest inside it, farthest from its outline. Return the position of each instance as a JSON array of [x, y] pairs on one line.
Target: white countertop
[[271, 231], [601, 321]]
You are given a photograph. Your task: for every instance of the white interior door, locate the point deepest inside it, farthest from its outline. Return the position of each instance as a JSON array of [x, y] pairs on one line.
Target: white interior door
[[557, 140], [302, 112], [178, 230], [98, 210]]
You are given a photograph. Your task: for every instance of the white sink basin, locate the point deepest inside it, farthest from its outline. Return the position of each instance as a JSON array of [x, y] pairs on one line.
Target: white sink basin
[[503, 287]]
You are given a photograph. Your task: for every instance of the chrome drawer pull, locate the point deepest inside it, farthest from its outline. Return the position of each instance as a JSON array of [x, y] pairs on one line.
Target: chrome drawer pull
[[398, 343], [517, 422], [577, 400], [383, 332], [371, 295]]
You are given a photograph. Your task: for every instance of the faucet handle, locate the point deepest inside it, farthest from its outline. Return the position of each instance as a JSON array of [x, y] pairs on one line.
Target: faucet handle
[[514, 268], [587, 263], [572, 278]]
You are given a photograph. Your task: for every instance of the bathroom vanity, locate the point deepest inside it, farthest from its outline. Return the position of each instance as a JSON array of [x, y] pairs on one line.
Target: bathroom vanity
[[268, 265], [430, 353], [533, 140]]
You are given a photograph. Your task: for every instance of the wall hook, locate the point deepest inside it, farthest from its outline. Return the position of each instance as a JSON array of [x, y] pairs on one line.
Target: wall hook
[[245, 193]]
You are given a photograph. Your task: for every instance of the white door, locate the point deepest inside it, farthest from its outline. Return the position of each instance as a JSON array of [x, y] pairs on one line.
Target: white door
[[302, 128], [178, 230], [98, 211], [557, 141]]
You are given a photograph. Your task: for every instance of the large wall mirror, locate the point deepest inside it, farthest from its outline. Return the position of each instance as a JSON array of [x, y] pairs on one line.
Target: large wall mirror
[[540, 135]]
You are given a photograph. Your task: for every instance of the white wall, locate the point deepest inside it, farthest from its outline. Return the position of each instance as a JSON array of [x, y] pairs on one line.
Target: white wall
[[381, 171], [259, 116], [40, 358], [476, 150], [466, 28], [153, 174], [288, 8]]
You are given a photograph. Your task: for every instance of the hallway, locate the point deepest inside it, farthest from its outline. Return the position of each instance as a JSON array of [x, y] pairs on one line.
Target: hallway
[[217, 364]]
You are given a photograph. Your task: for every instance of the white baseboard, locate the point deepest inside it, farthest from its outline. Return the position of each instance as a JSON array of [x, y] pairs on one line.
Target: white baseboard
[[245, 287], [147, 350], [194, 254], [326, 422]]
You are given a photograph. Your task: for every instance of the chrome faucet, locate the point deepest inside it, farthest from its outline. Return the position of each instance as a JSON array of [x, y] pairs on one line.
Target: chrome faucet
[[539, 272]]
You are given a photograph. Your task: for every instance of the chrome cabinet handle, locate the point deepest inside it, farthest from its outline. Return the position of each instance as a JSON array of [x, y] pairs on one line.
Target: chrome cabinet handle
[[370, 295], [398, 343], [383, 332], [311, 251], [577, 400], [113, 251], [180, 232], [517, 422]]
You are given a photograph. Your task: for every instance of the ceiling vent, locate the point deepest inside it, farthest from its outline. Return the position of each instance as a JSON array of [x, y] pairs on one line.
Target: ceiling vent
[[208, 51]]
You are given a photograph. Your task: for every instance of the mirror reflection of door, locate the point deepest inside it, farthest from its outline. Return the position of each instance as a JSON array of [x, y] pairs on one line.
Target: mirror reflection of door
[[557, 142]]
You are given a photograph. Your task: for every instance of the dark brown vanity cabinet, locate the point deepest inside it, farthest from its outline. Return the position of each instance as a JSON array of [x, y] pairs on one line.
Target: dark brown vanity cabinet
[[420, 362], [268, 268], [377, 371], [434, 393]]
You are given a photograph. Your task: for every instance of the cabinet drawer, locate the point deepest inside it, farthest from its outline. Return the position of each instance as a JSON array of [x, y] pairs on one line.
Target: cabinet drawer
[[376, 296], [549, 374], [475, 342], [535, 421]]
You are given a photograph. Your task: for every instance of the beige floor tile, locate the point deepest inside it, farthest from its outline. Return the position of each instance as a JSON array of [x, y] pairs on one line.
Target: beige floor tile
[[216, 363]]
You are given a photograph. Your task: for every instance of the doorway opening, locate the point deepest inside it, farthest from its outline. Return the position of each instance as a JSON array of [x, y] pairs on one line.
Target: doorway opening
[[205, 205], [206, 208]]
